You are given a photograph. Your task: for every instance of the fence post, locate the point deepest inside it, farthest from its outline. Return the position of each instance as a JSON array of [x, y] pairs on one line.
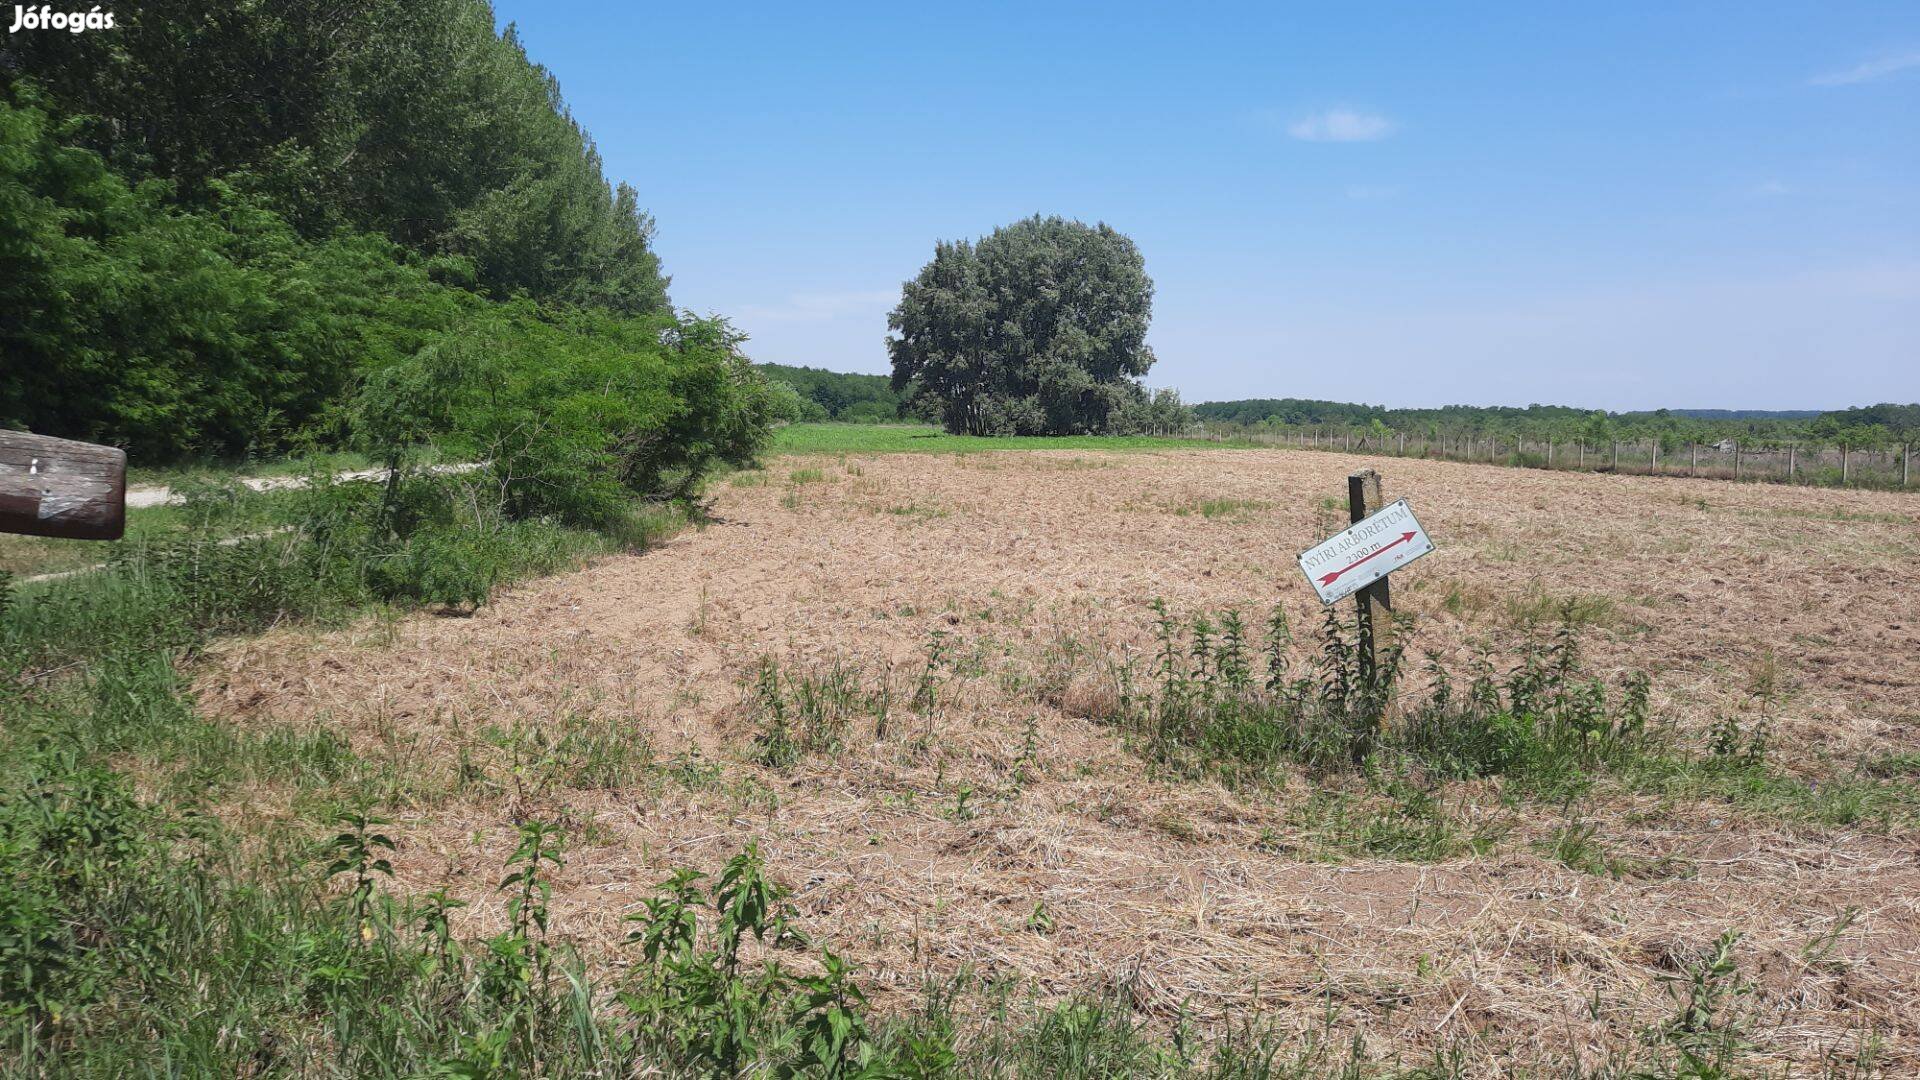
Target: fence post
[[1791, 455], [1736, 461], [1616, 455], [1656, 455], [1693, 459], [1583, 453], [1845, 455], [1906, 462]]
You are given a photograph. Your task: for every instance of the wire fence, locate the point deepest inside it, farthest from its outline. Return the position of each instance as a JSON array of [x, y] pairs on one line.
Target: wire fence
[[1810, 463]]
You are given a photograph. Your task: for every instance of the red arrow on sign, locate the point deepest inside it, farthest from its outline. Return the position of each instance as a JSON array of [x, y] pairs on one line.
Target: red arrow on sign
[[1328, 579]]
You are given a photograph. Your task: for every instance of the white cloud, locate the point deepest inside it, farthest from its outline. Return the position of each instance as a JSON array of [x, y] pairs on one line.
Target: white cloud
[[1341, 125], [821, 306], [1869, 71]]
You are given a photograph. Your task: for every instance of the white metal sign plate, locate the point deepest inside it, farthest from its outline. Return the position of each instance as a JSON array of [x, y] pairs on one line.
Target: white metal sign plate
[[1349, 561]]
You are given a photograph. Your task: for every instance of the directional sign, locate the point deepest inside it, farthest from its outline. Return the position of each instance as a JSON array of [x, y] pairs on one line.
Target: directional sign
[[1347, 562]]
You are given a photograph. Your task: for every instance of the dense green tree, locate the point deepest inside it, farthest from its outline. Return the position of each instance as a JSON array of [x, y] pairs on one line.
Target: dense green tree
[[217, 220], [1039, 328], [415, 120], [168, 331], [213, 328]]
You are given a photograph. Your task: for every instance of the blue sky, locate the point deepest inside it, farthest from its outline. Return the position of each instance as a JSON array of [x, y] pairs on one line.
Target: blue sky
[[1615, 206]]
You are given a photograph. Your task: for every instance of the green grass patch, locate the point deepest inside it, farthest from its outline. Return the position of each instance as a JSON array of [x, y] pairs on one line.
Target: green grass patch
[[146, 937], [1397, 819], [916, 510], [208, 510], [1220, 508]]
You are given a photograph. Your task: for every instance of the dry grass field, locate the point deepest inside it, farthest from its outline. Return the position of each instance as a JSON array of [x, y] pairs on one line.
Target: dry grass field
[[976, 814]]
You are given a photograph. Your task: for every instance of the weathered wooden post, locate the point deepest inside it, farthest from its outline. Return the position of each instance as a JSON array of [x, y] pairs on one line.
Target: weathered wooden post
[[1656, 456], [1791, 447], [61, 488], [1355, 563], [1736, 461], [1906, 462], [1373, 605], [1845, 457], [1616, 455]]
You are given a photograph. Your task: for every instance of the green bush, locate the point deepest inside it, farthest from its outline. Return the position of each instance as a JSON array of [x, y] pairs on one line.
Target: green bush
[[573, 415]]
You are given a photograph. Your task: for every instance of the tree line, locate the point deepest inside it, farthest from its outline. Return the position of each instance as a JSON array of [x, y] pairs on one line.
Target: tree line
[[821, 395], [220, 224], [415, 121], [1860, 428]]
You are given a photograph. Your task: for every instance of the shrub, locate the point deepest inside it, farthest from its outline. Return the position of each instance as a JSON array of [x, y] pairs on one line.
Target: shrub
[[1218, 704], [573, 415]]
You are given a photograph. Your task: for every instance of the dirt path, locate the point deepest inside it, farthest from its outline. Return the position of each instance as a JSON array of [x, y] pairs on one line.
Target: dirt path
[[145, 495], [1065, 864]]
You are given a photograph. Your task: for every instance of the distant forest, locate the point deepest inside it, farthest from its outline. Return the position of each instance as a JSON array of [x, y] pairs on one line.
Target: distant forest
[[840, 396], [1859, 426], [833, 395]]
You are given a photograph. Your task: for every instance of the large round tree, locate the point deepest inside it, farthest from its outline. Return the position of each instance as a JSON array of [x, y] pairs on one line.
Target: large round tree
[[1039, 328]]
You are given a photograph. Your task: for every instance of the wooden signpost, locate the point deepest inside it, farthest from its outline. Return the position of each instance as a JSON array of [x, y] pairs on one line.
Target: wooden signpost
[[1356, 562], [61, 488]]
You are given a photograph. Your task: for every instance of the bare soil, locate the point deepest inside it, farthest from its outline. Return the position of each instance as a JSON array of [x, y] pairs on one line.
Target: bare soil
[[1068, 865]]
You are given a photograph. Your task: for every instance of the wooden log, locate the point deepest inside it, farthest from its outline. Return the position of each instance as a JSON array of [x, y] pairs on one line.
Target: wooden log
[[61, 488]]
